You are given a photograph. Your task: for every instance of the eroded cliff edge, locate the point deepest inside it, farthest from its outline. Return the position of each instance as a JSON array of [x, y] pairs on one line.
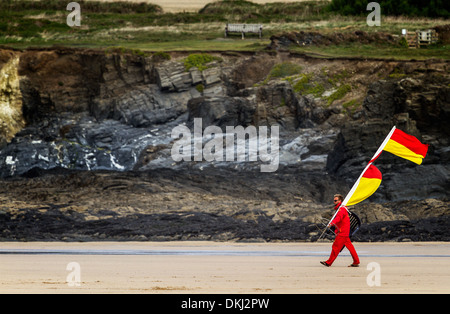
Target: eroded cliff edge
[[86, 146]]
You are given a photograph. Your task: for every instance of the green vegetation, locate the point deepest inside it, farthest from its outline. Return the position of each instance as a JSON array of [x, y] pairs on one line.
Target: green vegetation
[[350, 106], [249, 12], [200, 88], [338, 77], [397, 74], [434, 8], [161, 56], [317, 84], [300, 85], [375, 51], [287, 70], [317, 90], [106, 23], [146, 27], [284, 69], [339, 93], [88, 6], [200, 61], [123, 50]]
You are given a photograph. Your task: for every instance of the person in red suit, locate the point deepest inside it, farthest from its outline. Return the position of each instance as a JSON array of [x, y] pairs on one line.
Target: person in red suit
[[341, 222]]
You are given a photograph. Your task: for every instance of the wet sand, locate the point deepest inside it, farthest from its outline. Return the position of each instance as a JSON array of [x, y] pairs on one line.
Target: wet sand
[[212, 267]]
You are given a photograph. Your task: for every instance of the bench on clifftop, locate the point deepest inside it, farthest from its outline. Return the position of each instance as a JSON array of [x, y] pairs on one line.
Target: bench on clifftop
[[243, 28]]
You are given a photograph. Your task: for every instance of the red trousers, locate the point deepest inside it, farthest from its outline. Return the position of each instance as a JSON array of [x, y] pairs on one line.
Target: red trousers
[[339, 242]]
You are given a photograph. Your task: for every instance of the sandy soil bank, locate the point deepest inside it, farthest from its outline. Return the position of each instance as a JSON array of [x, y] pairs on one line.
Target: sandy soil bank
[[212, 267]]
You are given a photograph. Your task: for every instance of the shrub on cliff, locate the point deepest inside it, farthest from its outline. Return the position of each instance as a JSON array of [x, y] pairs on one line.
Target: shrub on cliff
[[199, 60]]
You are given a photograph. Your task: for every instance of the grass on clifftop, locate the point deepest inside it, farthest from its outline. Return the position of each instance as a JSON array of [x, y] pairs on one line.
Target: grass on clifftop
[[145, 26], [199, 60]]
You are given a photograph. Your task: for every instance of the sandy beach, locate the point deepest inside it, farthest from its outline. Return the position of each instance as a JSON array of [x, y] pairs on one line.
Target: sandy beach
[[225, 268]]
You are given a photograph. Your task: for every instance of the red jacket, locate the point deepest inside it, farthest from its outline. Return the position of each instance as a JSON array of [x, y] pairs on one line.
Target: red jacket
[[342, 222]]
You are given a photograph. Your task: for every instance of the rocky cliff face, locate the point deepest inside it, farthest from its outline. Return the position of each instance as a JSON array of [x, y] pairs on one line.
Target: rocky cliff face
[[11, 117], [83, 110]]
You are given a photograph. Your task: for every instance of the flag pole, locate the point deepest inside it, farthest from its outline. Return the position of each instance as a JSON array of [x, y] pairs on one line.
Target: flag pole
[[353, 189]]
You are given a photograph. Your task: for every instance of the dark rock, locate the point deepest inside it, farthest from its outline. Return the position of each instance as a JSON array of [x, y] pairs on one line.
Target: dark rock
[[302, 38], [221, 111], [171, 76], [93, 161]]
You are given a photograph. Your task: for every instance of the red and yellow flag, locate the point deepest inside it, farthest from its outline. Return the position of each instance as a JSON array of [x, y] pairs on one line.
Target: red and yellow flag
[[398, 143], [406, 146], [366, 185]]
